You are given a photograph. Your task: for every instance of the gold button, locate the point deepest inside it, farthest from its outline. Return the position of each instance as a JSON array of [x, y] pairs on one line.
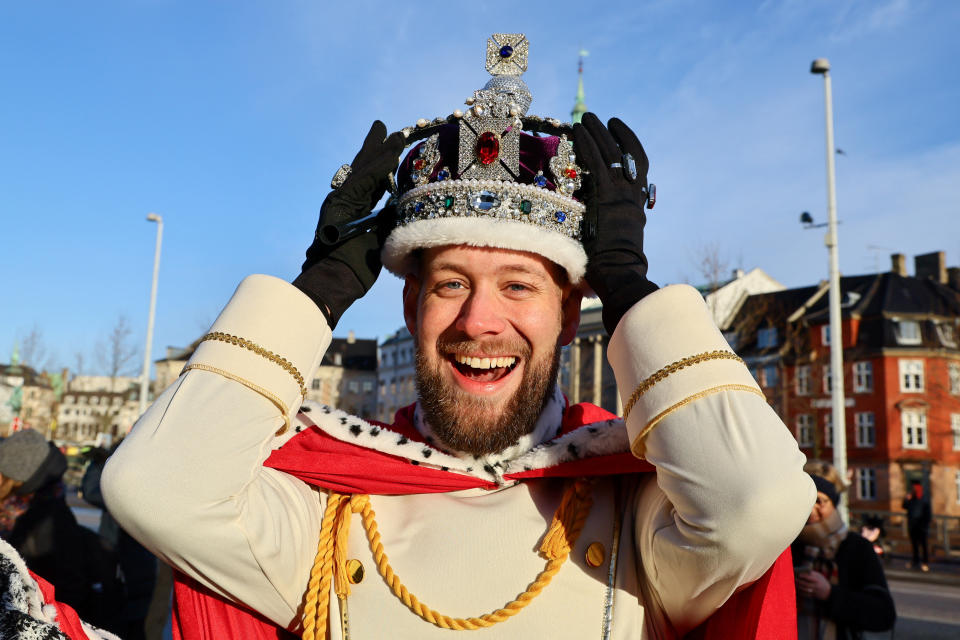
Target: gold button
[[595, 554], [354, 571]]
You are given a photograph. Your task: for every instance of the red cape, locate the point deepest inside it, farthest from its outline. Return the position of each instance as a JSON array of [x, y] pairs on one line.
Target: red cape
[[765, 610]]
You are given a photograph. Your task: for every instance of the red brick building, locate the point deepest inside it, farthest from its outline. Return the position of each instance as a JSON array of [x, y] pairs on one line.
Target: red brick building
[[901, 344]]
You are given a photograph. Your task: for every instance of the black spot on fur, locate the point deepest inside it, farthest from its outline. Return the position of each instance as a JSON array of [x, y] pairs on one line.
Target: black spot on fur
[[305, 409], [325, 409], [526, 467], [426, 453], [469, 469], [343, 421], [592, 429], [549, 443], [375, 432], [298, 429], [430, 439], [415, 462], [444, 468], [403, 440], [572, 450], [498, 465], [355, 429], [489, 469]]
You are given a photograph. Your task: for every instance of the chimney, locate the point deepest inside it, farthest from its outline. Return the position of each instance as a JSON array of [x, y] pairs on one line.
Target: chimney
[[738, 273], [351, 337], [953, 278], [931, 265], [899, 264]]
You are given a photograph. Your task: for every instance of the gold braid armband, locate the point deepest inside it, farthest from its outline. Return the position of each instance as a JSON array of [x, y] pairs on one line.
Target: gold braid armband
[[672, 368], [260, 351]]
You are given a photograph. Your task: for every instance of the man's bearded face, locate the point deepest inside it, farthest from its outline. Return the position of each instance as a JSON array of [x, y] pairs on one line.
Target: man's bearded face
[[488, 325]]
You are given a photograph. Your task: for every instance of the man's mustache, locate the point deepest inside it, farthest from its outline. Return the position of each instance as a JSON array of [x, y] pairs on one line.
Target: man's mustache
[[484, 348]]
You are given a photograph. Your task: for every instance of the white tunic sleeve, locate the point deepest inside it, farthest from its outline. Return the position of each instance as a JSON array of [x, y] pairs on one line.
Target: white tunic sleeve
[[730, 492], [188, 480]]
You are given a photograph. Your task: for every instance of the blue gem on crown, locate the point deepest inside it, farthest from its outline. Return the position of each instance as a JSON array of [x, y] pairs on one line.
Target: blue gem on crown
[[560, 216], [506, 51]]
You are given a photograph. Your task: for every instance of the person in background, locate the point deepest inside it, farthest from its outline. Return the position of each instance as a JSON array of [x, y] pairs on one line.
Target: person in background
[[918, 525], [841, 586], [35, 518]]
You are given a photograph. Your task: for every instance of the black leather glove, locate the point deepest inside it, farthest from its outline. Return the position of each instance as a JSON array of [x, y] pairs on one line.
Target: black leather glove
[[336, 276], [613, 224]]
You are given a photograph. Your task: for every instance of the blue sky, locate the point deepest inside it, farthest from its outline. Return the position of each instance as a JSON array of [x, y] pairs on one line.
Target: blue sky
[[228, 119]]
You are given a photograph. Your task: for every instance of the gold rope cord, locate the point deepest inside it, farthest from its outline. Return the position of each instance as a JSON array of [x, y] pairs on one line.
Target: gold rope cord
[[330, 562]]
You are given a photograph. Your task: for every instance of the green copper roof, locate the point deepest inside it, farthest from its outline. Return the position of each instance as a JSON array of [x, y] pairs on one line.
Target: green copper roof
[[579, 106]]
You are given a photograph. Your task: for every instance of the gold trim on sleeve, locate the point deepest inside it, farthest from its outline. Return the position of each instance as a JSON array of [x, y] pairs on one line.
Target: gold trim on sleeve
[[250, 385], [637, 446], [673, 367], [260, 351]]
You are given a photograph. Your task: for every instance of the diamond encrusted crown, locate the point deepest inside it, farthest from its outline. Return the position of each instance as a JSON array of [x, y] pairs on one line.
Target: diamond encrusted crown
[[492, 162]]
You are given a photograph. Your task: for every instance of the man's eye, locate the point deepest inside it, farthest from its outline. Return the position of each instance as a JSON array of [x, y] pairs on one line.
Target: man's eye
[[518, 287], [452, 285]]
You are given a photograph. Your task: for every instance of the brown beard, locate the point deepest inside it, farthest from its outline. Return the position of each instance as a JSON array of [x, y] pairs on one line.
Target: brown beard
[[470, 424]]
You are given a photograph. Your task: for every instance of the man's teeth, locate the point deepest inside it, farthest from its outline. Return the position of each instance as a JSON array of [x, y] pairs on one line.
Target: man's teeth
[[486, 363]]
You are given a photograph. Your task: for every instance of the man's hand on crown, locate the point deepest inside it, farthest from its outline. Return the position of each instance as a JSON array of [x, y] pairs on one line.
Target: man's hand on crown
[[614, 220], [336, 275]]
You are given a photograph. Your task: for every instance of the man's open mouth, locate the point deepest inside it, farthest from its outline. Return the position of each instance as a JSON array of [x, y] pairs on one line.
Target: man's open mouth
[[483, 368]]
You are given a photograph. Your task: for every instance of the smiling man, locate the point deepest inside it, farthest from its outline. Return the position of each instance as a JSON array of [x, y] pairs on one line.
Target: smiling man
[[509, 511]]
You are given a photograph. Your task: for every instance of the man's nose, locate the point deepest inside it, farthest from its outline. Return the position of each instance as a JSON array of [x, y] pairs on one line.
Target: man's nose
[[481, 314]]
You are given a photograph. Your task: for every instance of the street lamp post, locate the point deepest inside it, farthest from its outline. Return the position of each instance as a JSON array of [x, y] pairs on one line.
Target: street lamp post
[[145, 375], [821, 66]]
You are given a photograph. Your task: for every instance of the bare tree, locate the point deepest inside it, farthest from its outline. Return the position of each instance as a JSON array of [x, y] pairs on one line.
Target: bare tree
[[712, 265], [79, 363], [116, 354], [33, 350]]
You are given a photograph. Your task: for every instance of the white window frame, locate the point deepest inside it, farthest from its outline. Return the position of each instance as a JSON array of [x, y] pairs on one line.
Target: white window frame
[[802, 381], [913, 424], [825, 335], [827, 379], [955, 430], [866, 429], [911, 336], [863, 377], [953, 376], [911, 375], [866, 480], [947, 333], [805, 427], [828, 429]]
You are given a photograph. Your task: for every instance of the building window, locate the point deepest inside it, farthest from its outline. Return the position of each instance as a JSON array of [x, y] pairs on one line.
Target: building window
[[367, 386], [911, 376], [866, 484], [955, 430], [827, 379], [316, 384], [953, 372], [805, 430], [914, 428], [947, 334], [767, 338], [863, 377], [956, 481], [770, 376], [825, 335], [828, 429], [907, 331], [353, 386], [866, 429], [803, 380]]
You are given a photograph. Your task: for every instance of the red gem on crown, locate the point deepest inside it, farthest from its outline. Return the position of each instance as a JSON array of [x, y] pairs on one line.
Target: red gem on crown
[[488, 147], [570, 172], [418, 164]]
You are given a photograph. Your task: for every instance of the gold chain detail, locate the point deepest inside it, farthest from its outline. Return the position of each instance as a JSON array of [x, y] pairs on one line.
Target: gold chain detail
[[260, 351], [671, 368], [562, 534]]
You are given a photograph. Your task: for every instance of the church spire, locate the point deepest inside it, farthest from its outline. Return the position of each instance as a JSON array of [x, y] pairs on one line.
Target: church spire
[[579, 106]]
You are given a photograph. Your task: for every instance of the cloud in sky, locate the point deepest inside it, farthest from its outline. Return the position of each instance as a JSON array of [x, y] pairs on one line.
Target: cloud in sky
[[229, 121]]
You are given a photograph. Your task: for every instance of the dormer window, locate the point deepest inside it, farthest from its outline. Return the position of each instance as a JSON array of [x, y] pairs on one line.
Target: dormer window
[[767, 338], [907, 331], [947, 334]]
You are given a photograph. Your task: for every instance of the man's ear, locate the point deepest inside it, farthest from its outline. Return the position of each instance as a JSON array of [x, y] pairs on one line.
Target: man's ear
[[411, 299], [570, 315]]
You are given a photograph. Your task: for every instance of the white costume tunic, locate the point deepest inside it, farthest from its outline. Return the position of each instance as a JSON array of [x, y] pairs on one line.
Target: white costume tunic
[[728, 495]]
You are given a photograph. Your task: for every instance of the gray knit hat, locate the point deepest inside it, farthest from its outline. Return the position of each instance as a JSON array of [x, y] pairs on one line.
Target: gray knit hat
[[22, 454]]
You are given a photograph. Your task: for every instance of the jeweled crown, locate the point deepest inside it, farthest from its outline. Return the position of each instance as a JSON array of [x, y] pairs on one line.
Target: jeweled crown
[[491, 163]]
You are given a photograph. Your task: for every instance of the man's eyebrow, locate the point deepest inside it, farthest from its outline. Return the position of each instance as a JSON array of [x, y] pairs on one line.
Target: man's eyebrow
[[506, 268]]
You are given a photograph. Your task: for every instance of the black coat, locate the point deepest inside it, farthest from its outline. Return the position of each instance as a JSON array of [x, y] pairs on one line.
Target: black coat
[[918, 513], [47, 536], [860, 600]]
